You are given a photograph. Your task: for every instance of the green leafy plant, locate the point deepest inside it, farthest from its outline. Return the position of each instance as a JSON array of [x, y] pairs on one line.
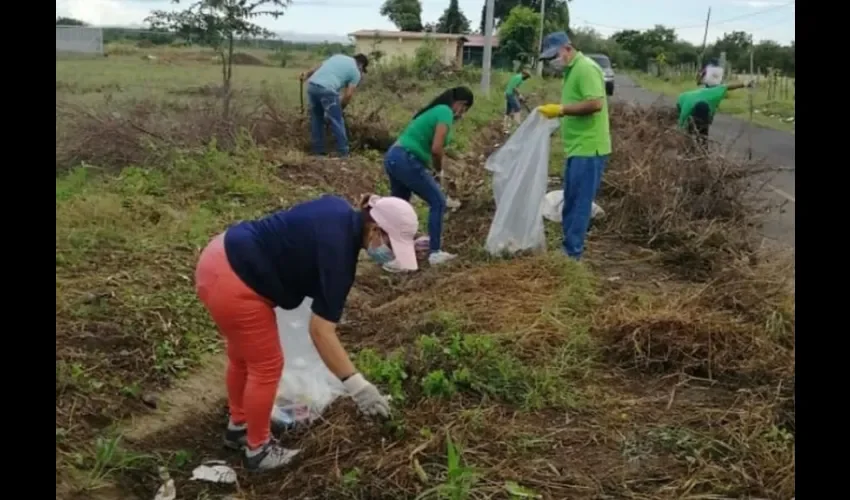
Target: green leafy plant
[[388, 371], [460, 479], [438, 384]]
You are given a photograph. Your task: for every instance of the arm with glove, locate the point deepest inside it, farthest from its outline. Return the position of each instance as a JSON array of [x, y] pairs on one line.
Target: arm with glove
[[582, 108], [368, 398]]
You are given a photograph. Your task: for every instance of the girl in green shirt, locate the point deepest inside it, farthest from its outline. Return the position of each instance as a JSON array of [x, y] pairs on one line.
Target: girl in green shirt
[[420, 150]]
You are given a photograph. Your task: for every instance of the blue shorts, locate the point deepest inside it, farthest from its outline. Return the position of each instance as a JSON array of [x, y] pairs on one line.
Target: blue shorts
[[512, 105]]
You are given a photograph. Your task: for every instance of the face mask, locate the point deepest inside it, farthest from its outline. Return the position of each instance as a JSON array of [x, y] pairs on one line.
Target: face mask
[[557, 64], [380, 255]]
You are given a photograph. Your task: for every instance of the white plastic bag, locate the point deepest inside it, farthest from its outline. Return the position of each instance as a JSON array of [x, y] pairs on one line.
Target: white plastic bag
[[553, 204], [713, 75], [520, 169], [306, 381]]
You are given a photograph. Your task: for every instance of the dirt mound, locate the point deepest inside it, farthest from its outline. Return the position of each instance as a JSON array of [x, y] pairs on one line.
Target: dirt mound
[[245, 59], [202, 90]]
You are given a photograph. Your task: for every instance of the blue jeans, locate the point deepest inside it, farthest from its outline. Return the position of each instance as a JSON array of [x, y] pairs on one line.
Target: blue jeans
[[325, 106], [409, 175], [511, 104], [582, 176]]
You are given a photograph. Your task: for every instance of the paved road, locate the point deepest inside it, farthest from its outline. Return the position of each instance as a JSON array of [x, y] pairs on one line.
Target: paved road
[[774, 146]]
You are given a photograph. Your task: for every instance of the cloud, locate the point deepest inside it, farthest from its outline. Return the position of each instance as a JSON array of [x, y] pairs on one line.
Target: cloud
[[104, 12], [759, 4]]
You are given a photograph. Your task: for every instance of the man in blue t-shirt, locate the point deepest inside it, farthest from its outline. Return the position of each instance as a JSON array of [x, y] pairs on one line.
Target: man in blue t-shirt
[[330, 87]]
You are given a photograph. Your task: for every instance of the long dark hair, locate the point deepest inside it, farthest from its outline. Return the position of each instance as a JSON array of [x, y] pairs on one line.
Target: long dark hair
[[448, 98]]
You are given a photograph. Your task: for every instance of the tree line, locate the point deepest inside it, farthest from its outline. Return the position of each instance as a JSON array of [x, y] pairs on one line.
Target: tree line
[[637, 49], [517, 23]]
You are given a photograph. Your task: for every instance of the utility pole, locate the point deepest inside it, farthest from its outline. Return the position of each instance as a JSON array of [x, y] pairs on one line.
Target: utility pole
[[704, 38], [752, 106], [488, 47], [540, 49]]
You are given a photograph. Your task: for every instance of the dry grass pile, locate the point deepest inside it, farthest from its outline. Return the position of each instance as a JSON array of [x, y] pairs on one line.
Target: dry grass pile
[[245, 59], [699, 209], [685, 334], [720, 330], [146, 132], [735, 319]]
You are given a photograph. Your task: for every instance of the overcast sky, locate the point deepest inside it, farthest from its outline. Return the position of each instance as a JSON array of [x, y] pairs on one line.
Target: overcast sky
[[765, 19]]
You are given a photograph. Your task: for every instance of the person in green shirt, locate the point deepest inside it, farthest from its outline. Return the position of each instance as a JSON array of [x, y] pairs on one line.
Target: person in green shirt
[[585, 132], [417, 152], [696, 109], [513, 98]]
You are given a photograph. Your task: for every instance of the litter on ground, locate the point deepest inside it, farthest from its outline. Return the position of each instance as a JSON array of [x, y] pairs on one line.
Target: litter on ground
[[215, 471], [553, 204]]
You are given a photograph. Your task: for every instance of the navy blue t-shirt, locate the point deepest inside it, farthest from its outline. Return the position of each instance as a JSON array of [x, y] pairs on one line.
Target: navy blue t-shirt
[[309, 250]]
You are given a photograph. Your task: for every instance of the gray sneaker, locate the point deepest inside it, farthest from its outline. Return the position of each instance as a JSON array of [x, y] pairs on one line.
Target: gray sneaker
[[270, 456], [236, 439]]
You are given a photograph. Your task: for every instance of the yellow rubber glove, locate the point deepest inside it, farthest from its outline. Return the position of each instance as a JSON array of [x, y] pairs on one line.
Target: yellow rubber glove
[[550, 110]]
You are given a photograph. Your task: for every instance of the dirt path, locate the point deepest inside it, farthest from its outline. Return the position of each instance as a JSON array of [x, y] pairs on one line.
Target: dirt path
[[776, 147]]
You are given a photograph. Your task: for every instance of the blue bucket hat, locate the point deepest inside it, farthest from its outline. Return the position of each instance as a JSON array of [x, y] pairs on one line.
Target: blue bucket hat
[[552, 43]]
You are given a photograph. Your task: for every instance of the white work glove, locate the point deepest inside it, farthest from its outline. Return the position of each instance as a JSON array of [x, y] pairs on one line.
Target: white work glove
[[452, 204], [370, 401]]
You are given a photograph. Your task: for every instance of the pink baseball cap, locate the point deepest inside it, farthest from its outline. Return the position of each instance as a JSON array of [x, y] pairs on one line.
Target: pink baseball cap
[[398, 219]]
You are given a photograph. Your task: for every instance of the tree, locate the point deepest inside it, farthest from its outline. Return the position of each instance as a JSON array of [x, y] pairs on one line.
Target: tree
[[591, 41], [405, 14], [737, 46], [69, 21], [557, 12], [218, 23], [453, 20], [518, 34], [648, 45]]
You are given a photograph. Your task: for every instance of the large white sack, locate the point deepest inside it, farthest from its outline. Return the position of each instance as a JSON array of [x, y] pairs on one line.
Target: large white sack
[[713, 75], [305, 380], [553, 204], [520, 173]]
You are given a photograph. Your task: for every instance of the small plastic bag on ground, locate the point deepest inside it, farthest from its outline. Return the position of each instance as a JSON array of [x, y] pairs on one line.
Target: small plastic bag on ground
[[520, 169], [553, 204], [306, 387]]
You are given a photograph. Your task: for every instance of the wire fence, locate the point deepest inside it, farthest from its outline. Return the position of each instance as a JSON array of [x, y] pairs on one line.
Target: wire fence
[[773, 83]]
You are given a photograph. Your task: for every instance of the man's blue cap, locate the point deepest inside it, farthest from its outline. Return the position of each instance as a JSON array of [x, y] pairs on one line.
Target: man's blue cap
[[552, 43]]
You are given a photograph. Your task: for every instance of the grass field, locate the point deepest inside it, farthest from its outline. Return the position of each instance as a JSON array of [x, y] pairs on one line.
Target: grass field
[[776, 113], [659, 367]]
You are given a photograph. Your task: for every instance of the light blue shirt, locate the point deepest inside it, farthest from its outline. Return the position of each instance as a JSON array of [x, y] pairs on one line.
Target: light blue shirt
[[336, 73]]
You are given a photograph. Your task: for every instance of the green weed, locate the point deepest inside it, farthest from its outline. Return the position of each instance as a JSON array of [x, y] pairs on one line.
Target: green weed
[[108, 459], [388, 371], [460, 479]]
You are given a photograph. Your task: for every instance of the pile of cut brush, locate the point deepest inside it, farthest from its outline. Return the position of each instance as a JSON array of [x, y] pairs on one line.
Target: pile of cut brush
[[145, 131], [698, 208]]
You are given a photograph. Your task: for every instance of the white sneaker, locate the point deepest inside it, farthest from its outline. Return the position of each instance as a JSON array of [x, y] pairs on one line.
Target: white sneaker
[[440, 257], [392, 267], [269, 456]]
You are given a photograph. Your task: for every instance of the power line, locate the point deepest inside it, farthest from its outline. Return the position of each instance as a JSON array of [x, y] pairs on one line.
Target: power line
[[786, 20], [700, 25]]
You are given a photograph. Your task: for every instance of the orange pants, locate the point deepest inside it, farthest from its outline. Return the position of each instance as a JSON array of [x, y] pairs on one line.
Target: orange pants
[[247, 322]]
